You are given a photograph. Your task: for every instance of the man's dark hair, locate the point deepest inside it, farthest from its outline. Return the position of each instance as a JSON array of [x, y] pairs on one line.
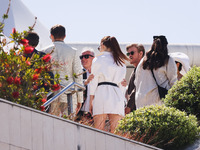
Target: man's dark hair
[[33, 39], [58, 31]]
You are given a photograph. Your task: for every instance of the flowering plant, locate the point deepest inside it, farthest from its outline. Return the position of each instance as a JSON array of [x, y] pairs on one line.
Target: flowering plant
[[24, 80]]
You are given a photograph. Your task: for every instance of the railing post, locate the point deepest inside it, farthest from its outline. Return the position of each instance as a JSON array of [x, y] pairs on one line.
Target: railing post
[[69, 103], [69, 95]]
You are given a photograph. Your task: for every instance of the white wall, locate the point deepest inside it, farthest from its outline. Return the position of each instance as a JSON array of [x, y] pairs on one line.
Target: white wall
[[193, 51], [23, 128]]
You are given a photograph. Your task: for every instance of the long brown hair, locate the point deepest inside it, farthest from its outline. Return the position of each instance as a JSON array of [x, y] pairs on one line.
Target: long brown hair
[[157, 56], [111, 42]]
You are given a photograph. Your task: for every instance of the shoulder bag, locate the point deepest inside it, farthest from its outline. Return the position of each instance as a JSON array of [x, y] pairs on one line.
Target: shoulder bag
[[162, 91]]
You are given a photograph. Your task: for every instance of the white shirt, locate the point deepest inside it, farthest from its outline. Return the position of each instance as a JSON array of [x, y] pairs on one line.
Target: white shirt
[[146, 88]]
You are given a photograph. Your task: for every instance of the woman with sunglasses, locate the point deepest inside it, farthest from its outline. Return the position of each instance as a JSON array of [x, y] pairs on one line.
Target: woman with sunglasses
[[156, 66], [106, 96]]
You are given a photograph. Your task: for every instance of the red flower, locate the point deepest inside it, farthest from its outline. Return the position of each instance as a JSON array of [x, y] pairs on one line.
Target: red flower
[[13, 30], [38, 70], [17, 80], [24, 42], [28, 50], [44, 100], [35, 76], [47, 68], [47, 58], [15, 94], [42, 108], [28, 63], [55, 87], [10, 80], [35, 87]]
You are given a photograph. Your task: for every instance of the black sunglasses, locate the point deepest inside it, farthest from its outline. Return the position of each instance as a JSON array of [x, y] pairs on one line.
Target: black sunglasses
[[132, 53], [85, 56]]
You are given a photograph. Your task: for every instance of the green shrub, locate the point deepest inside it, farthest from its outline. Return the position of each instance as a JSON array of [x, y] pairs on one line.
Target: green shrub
[[185, 94], [161, 126]]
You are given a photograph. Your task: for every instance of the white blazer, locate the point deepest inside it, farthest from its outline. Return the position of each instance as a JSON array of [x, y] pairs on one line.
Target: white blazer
[[69, 63]]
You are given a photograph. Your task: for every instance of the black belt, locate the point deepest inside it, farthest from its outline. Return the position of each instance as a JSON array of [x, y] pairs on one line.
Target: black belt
[[107, 83]]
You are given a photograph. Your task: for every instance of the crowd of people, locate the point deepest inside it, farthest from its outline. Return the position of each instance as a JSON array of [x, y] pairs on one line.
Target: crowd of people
[[108, 96]]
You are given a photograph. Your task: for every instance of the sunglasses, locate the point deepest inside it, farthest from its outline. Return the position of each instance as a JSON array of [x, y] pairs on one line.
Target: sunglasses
[[85, 56], [131, 53]]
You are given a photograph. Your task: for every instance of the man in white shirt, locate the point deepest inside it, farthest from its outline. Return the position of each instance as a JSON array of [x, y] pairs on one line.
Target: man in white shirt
[[68, 64]]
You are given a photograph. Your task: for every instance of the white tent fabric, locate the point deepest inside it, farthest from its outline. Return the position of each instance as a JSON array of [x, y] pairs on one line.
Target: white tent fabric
[[21, 18]]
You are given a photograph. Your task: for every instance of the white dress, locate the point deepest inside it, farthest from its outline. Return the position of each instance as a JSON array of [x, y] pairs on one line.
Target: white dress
[[146, 88], [108, 99]]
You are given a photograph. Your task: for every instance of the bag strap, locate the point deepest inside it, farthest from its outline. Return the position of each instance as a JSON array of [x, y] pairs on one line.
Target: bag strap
[[154, 77]]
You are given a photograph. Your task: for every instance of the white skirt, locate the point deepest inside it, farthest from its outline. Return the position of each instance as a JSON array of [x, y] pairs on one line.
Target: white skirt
[[108, 100]]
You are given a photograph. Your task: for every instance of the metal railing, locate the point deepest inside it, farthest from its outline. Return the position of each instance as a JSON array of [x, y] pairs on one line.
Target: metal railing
[[67, 90]]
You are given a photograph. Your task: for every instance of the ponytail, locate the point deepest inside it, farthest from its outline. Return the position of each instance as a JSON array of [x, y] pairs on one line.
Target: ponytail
[[111, 42]]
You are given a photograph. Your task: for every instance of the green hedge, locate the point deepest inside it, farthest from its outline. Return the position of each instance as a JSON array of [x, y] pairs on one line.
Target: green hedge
[[185, 94], [161, 126]]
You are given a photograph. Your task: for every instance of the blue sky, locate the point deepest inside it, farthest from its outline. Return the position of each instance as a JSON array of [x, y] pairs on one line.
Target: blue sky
[[127, 20]]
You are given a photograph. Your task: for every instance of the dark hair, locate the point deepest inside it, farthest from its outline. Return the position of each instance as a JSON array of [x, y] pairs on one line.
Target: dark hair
[[58, 31], [157, 56], [180, 66], [139, 47], [33, 39], [111, 42]]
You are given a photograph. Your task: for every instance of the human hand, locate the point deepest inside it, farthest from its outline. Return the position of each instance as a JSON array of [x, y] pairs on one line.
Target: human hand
[[127, 110], [123, 83], [89, 79]]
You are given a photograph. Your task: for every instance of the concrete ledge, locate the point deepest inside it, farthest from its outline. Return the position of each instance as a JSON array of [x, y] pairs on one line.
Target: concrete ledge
[[25, 128]]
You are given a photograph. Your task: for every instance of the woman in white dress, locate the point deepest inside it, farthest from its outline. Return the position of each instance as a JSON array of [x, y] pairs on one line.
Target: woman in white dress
[[164, 69], [107, 97]]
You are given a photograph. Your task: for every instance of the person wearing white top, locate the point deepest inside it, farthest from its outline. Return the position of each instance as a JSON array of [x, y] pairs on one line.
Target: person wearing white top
[[182, 63], [106, 96], [69, 63], [164, 70], [87, 55]]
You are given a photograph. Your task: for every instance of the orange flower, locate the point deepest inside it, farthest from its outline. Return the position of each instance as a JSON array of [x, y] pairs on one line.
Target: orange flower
[[55, 87], [13, 30], [35, 77], [28, 50], [44, 100], [42, 108], [47, 58], [38, 70], [24, 42], [17, 81], [28, 63]]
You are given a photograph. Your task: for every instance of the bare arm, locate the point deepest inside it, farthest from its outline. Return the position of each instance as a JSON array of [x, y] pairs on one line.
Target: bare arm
[[91, 103]]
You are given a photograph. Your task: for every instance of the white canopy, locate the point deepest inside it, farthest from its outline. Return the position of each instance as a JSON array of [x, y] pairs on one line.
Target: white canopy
[[21, 18]]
